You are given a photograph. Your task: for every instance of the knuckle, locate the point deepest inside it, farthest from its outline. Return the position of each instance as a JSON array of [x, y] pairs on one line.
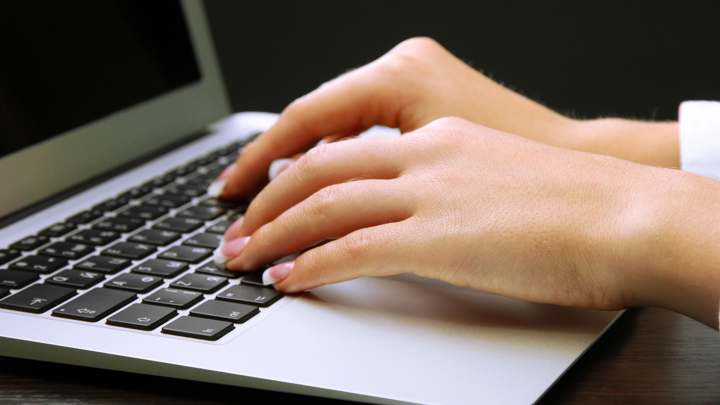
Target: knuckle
[[320, 203], [418, 44], [355, 246]]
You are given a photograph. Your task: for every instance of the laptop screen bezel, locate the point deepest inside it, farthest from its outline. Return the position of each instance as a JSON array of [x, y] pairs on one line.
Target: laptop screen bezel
[[71, 158]]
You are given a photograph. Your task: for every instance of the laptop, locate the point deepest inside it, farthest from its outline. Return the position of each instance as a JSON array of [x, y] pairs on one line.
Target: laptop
[[112, 129]]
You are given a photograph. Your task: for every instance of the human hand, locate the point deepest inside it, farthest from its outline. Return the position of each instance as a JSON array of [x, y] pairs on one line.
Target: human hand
[[464, 204]]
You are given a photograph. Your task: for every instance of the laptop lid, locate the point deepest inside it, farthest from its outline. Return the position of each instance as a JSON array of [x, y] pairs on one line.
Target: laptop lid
[[87, 87]]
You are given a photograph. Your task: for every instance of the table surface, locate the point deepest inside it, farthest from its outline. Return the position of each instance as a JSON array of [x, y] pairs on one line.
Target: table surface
[[649, 356]]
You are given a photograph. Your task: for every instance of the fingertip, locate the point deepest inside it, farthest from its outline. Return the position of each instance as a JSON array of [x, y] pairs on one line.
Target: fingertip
[[233, 231]]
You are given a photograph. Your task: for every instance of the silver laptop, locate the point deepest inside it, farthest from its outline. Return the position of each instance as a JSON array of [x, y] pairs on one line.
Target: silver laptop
[[112, 131]]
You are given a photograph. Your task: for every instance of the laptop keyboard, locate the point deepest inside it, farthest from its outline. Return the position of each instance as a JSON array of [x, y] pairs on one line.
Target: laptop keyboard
[[136, 260]]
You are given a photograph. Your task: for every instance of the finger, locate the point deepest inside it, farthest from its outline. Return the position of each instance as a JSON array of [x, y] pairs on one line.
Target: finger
[[376, 251], [359, 99], [372, 158], [332, 212]]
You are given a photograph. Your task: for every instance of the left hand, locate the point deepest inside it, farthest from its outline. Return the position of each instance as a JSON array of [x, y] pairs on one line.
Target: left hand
[[460, 203]]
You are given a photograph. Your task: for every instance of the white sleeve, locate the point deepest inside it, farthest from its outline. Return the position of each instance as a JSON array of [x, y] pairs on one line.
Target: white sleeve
[[700, 138]]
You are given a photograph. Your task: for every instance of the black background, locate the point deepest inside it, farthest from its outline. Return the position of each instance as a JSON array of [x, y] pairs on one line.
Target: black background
[[636, 59]]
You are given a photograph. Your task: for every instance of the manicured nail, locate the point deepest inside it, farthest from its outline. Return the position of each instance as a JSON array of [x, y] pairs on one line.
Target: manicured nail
[[277, 273], [321, 143], [226, 173], [278, 166], [216, 188], [230, 250], [233, 230]]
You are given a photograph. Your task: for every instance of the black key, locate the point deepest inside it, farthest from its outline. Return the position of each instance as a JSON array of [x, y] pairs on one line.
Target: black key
[[161, 268], [228, 149], [255, 278], [217, 269], [225, 311], [201, 182], [155, 237], [199, 282], [159, 181], [167, 201], [146, 212], [76, 279], [37, 298], [58, 229], [17, 279], [85, 217], [123, 225], [174, 298], [41, 264], [220, 227], [198, 328], [134, 251], [94, 237], [208, 240], [184, 192], [95, 304], [8, 254], [4, 292], [186, 254], [225, 204], [134, 193], [182, 225], [248, 294], [201, 212], [108, 205], [103, 264], [141, 316], [69, 250], [30, 243], [134, 282]]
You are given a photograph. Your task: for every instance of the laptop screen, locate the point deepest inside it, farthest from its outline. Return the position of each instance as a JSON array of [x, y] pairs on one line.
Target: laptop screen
[[65, 64]]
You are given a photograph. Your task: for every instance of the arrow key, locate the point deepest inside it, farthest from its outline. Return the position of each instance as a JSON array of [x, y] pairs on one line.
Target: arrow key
[[142, 316]]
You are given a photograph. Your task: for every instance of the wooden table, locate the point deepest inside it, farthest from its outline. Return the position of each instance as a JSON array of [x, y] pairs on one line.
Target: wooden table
[[650, 356]]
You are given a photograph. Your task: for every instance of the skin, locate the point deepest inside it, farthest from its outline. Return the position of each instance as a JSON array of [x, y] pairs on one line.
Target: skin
[[486, 189]]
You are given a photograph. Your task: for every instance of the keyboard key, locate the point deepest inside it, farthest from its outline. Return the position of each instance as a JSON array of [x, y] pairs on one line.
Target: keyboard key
[[198, 328], [95, 304], [225, 311], [199, 282], [103, 264], [248, 294], [218, 270], [146, 212], [220, 227], [255, 278], [187, 191], [8, 254], [225, 204], [186, 254], [204, 213], [58, 229], [108, 205], [141, 316], [161, 268], [208, 240], [135, 193], [155, 237], [37, 298], [69, 250], [4, 292], [134, 282], [182, 225], [134, 251], [94, 237], [30, 243], [41, 264], [81, 280], [17, 279], [85, 217], [123, 225], [159, 181], [166, 201], [174, 298]]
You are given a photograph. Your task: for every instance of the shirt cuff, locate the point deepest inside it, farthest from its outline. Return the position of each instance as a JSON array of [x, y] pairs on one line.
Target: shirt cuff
[[700, 138]]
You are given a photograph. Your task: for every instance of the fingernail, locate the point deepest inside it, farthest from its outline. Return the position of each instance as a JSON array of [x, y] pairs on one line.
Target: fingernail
[[321, 143], [233, 230], [277, 273], [216, 188], [225, 173], [278, 166], [230, 250]]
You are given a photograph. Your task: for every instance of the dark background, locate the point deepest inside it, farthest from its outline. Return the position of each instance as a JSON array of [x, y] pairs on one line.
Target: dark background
[[636, 59]]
